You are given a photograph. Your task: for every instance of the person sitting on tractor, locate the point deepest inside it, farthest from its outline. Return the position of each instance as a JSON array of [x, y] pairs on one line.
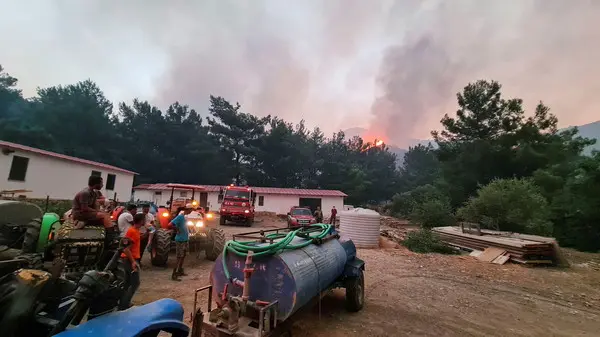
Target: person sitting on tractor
[[181, 240], [131, 257], [85, 206]]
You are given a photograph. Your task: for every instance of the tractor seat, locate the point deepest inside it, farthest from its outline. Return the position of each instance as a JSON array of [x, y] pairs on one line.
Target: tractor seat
[[162, 315]]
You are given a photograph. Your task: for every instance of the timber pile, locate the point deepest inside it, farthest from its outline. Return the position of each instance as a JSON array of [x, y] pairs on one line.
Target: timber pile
[[521, 248]]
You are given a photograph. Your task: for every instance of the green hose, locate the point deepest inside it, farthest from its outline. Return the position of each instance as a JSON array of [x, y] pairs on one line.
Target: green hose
[[242, 248]]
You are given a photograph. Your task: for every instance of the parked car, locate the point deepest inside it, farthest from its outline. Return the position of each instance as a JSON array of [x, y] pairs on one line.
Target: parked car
[[300, 216]]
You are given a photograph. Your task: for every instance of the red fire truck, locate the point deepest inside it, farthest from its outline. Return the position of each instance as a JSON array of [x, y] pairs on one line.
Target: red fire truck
[[237, 205]]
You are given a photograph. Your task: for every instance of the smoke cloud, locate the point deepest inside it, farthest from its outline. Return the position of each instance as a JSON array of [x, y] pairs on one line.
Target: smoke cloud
[[393, 67]]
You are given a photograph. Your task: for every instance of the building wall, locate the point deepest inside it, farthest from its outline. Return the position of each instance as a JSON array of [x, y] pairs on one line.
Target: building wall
[[59, 179], [278, 203], [164, 196]]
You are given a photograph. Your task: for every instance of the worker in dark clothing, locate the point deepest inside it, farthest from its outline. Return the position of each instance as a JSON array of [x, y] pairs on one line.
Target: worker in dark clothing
[[333, 216], [319, 215], [85, 206]]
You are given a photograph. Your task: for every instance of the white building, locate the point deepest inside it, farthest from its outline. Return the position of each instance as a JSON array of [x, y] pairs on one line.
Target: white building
[[268, 199], [36, 173]]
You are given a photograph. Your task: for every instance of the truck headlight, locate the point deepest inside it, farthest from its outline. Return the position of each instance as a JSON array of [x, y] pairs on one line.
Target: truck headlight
[[190, 223], [199, 224], [246, 211]]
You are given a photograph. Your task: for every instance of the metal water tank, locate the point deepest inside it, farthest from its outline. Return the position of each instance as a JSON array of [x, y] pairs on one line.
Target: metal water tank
[[361, 226], [293, 277]]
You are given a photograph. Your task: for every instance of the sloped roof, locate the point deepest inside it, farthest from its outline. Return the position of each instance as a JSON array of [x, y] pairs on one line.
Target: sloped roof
[[19, 147], [259, 190]]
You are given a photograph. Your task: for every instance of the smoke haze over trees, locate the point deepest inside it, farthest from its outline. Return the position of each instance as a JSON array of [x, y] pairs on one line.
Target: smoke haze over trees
[[494, 163], [390, 66]]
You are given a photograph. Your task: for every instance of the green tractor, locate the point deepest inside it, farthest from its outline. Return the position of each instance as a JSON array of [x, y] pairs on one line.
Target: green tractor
[[30, 238]]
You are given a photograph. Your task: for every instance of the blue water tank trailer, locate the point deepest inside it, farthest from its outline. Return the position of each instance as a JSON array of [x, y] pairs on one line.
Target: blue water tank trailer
[[295, 276]]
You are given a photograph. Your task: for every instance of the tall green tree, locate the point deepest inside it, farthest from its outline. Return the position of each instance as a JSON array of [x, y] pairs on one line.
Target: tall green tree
[[239, 134], [491, 138], [420, 167]]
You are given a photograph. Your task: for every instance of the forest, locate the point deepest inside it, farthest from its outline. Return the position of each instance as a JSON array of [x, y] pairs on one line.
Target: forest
[[491, 162]]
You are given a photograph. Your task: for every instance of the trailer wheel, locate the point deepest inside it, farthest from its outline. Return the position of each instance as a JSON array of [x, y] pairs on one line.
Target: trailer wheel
[[216, 243], [160, 247], [355, 293]]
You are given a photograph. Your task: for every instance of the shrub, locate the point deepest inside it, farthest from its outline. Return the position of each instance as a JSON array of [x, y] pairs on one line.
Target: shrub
[[425, 241], [404, 204], [510, 205], [432, 213], [572, 190]]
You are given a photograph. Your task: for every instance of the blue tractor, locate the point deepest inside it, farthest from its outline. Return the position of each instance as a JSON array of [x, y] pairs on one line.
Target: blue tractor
[[40, 303], [143, 321]]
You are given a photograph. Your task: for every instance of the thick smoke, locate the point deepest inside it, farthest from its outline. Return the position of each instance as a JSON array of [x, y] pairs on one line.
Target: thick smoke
[[539, 50], [392, 66]]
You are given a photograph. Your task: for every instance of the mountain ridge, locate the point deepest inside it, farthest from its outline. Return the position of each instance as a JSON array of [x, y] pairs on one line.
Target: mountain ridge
[[589, 130]]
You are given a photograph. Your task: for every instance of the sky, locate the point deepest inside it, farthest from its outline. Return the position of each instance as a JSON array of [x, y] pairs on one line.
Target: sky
[[393, 67]]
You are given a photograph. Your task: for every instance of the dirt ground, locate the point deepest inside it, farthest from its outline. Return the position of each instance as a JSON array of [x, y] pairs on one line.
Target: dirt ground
[[410, 294]]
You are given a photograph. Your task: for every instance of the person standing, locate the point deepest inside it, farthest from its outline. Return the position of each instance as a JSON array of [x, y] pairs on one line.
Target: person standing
[[125, 220], [147, 231], [319, 215], [333, 215], [181, 240], [130, 257]]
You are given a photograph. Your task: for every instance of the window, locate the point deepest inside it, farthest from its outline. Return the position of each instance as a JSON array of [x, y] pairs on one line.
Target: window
[[158, 193], [220, 198], [96, 173], [18, 168], [110, 182], [301, 211], [183, 194], [261, 200]]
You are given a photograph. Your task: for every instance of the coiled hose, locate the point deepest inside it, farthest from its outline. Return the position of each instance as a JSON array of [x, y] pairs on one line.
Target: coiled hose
[[284, 243]]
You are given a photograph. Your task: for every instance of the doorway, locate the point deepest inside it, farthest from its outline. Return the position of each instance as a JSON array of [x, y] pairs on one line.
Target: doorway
[[311, 203], [203, 199]]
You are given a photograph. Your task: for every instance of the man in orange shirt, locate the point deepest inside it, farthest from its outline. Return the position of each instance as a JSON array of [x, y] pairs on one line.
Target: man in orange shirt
[[130, 256]]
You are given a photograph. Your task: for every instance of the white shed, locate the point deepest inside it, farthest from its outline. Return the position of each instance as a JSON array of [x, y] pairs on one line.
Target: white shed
[[269, 199], [38, 173]]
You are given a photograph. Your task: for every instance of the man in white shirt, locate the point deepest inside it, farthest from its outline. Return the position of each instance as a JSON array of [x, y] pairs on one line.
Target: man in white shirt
[[147, 232], [125, 220]]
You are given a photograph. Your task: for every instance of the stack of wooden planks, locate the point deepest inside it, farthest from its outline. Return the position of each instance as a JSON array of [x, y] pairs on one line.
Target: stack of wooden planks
[[521, 248]]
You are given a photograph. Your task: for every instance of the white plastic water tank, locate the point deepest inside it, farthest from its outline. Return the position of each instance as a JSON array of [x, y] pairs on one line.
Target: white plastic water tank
[[361, 226]]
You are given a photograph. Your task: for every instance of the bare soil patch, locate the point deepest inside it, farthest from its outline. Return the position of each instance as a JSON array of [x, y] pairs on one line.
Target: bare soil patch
[[430, 295]]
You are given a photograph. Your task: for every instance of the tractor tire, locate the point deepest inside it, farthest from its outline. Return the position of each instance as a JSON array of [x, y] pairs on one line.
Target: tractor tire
[[222, 221], [216, 243], [355, 293], [32, 235], [160, 248]]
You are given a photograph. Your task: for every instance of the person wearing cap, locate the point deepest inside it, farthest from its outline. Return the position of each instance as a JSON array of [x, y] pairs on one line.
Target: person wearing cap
[[181, 240]]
